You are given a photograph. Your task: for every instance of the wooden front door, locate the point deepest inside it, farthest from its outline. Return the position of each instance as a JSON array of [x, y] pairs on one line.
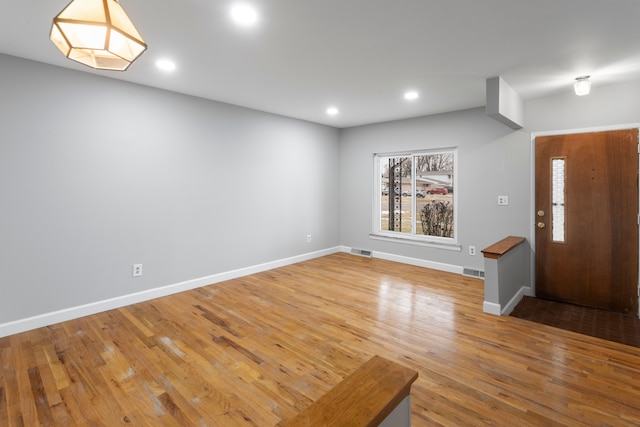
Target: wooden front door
[[587, 219]]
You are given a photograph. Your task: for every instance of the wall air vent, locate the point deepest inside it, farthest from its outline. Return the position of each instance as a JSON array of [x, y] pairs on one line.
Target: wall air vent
[[361, 252], [473, 273]]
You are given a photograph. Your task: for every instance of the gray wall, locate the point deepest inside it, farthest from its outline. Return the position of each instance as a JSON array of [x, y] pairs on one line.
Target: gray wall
[[97, 174], [606, 106], [191, 188], [493, 160]]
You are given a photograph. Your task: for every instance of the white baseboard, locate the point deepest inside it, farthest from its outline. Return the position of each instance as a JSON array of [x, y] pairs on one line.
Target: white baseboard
[[51, 318], [496, 309], [525, 290], [412, 261], [491, 308]]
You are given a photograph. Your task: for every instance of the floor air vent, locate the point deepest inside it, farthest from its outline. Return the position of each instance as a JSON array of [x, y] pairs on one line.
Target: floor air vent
[[361, 252], [473, 273]]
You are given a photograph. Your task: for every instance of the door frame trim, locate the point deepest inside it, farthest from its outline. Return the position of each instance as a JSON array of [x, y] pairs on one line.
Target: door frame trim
[[532, 188]]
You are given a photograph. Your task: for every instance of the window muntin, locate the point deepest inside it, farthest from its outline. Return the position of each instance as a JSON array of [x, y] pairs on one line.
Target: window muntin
[[415, 195]]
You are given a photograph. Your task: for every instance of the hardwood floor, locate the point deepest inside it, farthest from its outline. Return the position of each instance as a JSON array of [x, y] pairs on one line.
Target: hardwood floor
[[258, 349]]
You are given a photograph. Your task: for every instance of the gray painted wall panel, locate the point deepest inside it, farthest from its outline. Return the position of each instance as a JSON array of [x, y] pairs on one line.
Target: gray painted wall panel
[[493, 160], [191, 188], [98, 174]]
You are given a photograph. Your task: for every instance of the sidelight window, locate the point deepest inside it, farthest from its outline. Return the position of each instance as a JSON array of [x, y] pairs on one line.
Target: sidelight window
[[557, 199]]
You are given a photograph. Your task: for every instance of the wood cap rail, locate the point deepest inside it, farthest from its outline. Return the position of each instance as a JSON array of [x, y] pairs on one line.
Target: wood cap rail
[[364, 398], [500, 248]]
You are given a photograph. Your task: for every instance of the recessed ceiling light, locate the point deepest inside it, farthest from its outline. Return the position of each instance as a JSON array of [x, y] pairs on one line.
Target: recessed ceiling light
[[411, 95], [166, 64], [332, 111], [244, 14]]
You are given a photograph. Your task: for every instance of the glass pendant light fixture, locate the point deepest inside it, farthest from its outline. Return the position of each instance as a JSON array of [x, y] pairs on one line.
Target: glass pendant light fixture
[[582, 86], [97, 33]]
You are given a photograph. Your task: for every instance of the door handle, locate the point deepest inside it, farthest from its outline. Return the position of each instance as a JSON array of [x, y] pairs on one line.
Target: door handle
[[541, 225]]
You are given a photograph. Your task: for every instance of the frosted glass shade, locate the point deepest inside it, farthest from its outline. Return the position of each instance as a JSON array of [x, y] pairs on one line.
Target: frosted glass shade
[[97, 33], [582, 86]]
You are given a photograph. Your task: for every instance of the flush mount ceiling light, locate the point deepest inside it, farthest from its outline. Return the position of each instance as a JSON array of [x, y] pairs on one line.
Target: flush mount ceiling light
[[97, 33], [332, 111], [582, 86]]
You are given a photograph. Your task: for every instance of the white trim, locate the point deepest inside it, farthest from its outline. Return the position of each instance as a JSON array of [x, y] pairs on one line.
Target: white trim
[[525, 290], [532, 215], [413, 261], [491, 308], [417, 242], [584, 130], [441, 150], [51, 318]]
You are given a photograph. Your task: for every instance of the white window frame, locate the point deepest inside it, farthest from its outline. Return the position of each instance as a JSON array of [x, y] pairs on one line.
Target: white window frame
[[377, 232]]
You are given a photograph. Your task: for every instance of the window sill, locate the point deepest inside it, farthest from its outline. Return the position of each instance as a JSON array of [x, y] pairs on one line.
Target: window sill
[[408, 241]]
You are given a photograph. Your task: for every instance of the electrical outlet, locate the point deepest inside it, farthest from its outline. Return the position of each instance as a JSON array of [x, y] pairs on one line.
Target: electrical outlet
[[503, 200], [472, 250], [308, 238], [137, 270]]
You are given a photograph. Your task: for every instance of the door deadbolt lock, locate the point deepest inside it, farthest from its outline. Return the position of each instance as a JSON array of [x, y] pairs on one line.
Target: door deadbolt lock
[[540, 213], [541, 225]]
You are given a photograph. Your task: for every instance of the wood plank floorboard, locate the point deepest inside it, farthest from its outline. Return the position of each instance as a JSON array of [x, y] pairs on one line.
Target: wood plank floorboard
[[258, 349]]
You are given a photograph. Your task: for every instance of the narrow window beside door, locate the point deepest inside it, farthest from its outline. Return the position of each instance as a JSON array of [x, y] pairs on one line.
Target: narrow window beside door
[[557, 199]]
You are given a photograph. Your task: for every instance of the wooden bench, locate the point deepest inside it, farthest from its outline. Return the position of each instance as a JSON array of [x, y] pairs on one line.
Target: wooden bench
[[364, 398]]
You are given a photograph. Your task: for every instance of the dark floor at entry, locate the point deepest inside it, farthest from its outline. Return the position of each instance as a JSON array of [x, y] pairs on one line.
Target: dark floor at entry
[[618, 327]]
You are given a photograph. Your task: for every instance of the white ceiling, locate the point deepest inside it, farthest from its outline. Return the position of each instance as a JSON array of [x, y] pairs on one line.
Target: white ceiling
[[360, 55]]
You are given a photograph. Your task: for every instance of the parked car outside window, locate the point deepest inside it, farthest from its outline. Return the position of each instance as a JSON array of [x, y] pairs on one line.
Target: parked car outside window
[[409, 193], [438, 190]]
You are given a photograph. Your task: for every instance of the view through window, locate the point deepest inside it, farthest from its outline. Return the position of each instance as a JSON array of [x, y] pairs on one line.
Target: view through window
[[416, 197]]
